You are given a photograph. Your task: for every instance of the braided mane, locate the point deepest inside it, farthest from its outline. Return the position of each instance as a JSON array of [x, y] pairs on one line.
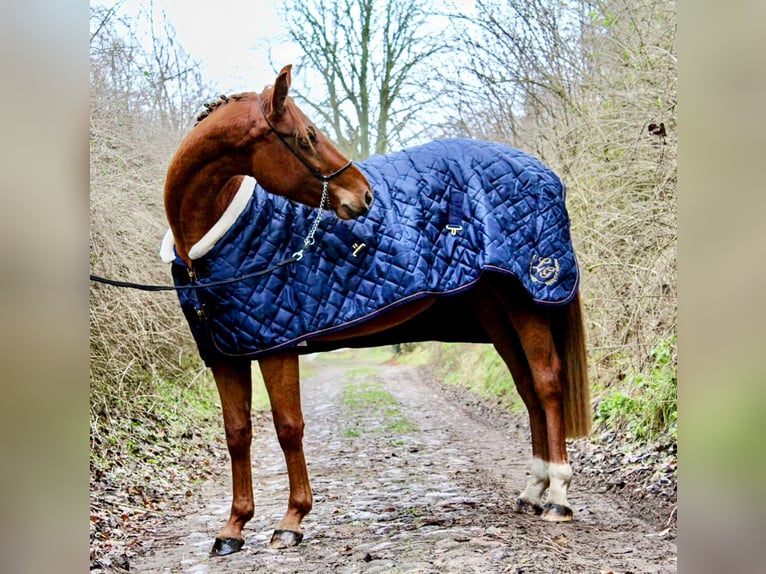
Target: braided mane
[[210, 106], [302, 133]]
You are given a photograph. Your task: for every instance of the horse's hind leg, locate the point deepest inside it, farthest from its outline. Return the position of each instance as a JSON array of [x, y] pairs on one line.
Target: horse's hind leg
[[496, 322], [533, 327], [234, 383], [281, 376]]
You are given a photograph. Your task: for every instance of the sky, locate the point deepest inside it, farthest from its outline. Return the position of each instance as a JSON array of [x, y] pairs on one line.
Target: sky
[[232, 39]]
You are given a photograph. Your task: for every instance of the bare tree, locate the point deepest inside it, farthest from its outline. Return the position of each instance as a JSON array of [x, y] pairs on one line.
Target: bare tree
[[372, 56], [521, 64], [152, 75]]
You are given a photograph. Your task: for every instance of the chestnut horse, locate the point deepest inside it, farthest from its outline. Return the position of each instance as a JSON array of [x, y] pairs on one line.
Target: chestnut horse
[[268, 137]]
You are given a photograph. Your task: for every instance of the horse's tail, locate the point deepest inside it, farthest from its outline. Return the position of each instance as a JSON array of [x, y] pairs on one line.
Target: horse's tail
[[569, 334]]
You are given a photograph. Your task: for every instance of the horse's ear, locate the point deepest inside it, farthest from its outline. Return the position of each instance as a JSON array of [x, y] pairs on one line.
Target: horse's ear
[[279, 93]]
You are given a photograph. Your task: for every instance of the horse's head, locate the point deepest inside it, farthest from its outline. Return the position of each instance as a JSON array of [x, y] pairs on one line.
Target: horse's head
[[291, 157], [268, 137]]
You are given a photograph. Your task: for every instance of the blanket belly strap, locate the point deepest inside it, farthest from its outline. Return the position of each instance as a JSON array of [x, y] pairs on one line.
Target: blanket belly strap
[[455, 210]]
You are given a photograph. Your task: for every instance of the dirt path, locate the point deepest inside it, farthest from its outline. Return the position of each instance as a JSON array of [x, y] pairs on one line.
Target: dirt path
[[405, 480]]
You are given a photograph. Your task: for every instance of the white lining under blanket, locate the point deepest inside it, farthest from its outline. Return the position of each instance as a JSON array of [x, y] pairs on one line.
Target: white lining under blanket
[[227, 219]]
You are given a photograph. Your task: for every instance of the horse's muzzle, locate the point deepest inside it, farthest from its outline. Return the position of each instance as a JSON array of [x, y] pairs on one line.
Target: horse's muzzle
[[348, 210]]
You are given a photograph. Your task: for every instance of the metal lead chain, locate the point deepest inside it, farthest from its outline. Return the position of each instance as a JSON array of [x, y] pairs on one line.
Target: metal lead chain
[[309, 241]]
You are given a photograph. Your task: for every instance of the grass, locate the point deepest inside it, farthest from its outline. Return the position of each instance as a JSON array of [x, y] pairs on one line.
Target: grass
[[362, 396], [476, 367], [376, 355], [645, 404], [418, 356], [362, 392], [260, 401], [148, 433]]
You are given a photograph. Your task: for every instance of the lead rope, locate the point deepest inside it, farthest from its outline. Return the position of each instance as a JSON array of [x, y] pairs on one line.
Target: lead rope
[[294, 258]]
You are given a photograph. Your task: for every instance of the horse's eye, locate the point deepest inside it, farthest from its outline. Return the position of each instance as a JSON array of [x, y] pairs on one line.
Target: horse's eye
[[307, 141]]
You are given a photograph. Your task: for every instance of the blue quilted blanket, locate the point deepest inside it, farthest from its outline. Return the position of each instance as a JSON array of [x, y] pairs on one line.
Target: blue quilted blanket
[[444, 213]]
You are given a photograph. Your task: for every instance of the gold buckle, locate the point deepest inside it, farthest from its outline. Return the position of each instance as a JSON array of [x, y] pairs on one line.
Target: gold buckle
[[358, 247]]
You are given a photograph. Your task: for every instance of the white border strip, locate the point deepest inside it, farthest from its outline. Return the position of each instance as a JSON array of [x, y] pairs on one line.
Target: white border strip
[[167, 254], [227, 219]]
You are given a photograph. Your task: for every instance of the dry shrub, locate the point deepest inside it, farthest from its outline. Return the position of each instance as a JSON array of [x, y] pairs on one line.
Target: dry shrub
[[623, 182], [135, 336], [138, 340]]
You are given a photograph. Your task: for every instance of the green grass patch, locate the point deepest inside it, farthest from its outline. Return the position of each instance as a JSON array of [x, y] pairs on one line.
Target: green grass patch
[[645, 405], [349, 432], [260, 400], [364, 395], [361, 396], [417, 356], [376, 355], [161, 420], [399, 424], [478, 368]]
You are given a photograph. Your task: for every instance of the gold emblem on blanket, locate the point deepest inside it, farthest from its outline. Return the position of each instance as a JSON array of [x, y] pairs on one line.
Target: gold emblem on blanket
[[357, 247], [544, 269]]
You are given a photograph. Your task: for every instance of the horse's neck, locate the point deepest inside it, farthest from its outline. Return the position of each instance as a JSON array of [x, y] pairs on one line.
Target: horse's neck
[[196, 199]]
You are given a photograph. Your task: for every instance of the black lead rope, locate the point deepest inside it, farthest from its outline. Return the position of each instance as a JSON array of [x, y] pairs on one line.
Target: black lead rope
[[143, 287], [294, 258]]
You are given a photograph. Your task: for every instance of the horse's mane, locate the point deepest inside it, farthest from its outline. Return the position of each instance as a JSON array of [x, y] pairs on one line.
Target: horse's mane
[[211, 106], [302, 132]]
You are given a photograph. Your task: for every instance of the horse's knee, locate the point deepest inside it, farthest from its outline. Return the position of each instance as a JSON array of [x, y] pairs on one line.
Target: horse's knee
[[289, 432], [238, 436]]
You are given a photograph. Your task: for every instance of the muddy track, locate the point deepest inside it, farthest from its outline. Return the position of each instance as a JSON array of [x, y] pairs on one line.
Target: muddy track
[[405, 480]]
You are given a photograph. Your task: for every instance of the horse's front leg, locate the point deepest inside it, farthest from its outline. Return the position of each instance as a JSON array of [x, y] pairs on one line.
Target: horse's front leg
[[281, 377], [234, 382]]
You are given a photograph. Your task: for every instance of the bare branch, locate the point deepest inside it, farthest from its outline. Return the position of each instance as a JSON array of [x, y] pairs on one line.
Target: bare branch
[[369, 54]]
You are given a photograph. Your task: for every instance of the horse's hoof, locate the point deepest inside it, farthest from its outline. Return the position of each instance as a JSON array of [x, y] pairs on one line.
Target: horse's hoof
[[285, 539], [557, 513], [525, 507], [226, 546]]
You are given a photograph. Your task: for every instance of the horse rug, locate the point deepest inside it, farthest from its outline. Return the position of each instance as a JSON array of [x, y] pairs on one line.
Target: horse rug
[[443, 214]]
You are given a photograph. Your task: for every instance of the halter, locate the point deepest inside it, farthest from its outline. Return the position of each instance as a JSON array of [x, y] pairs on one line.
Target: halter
[[323, 178]]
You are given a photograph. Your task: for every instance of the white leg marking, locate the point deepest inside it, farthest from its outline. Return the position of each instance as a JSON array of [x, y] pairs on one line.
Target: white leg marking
[[560, 476], [537, 483]]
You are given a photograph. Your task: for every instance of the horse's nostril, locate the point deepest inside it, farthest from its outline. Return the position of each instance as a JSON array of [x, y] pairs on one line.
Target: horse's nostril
[[368, 199]]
